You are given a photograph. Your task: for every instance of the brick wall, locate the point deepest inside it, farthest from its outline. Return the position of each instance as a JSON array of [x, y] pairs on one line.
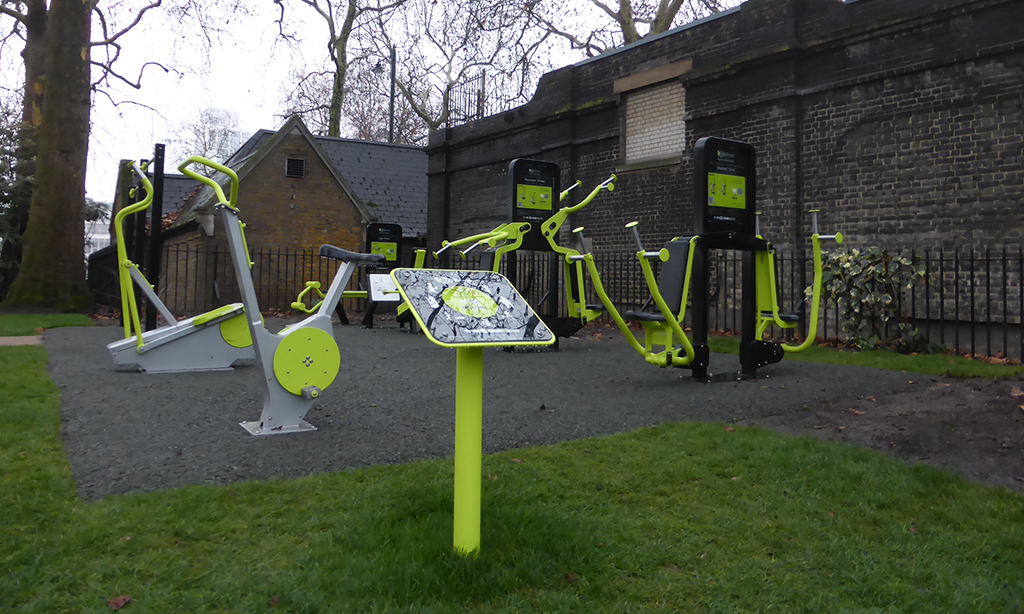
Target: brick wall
[[901, 121], [298, 213], [284, 216]]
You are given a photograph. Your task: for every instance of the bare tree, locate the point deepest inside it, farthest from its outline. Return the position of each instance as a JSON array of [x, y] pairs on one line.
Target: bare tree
[[365, 114], [211, 133], [445, 43], [343, 19], [36, 24], [595, 26]]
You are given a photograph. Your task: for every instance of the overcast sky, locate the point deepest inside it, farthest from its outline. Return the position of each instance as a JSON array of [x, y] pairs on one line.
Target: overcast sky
[[245, 75]]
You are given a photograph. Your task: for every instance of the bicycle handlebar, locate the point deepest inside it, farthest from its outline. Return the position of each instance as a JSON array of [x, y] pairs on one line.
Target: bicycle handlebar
[[233, 194]]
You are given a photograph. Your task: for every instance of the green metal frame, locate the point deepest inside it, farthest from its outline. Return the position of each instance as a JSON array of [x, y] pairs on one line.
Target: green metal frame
[[656, 334], [767, 295], [129, 304]]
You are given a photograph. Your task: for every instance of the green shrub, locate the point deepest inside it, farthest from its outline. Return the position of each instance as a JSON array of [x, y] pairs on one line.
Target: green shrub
[[868, 287]]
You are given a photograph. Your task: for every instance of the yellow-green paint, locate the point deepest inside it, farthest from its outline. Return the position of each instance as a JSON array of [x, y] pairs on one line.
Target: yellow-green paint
[[235, 331], [129, 306], [209, 316], [469, 385], [534, 197], [306, 357], [388, 250], [469, 302], [726, 190]]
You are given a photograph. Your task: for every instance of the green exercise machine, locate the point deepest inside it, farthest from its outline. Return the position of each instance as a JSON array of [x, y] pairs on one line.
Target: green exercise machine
[[534, 225], [211, 341], [468, 311], [725, 194], [302, 359]]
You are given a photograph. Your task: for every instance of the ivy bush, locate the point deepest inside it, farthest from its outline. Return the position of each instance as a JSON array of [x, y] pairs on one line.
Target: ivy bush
[[868, 286]]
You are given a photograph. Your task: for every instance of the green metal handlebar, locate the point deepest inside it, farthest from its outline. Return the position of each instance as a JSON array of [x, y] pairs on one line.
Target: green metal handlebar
[[232, 199], [608, 184]]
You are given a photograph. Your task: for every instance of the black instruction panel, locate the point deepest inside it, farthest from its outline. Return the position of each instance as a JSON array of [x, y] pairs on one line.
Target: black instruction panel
[[724, 186], [533, 198]]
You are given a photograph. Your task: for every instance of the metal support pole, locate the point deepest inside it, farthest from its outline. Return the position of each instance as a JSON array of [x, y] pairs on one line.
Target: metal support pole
[[156, 244], [469, 392], [391, 107]]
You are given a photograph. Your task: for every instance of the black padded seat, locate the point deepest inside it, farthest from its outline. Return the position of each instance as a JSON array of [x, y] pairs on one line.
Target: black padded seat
[[643, 316], [597, 307], [670, 282], [791, 318]]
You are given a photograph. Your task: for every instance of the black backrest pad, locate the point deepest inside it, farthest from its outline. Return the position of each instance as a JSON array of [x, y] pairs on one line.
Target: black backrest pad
[[673, 273]]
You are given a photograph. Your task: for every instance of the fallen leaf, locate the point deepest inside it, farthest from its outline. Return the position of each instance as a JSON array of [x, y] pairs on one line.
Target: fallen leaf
[[872, 399], [913, 529], [831, 514], [859, 413], [570, 578], [729, 429], [39, 330], [119, 602], [542, 407], [1016, 392], [516, 460]]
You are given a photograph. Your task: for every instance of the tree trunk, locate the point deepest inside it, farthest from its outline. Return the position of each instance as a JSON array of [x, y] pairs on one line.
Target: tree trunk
[[32, 99], [53, 265]]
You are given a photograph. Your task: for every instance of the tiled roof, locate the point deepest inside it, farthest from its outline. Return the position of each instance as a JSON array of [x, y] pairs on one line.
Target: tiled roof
[[391, 180]]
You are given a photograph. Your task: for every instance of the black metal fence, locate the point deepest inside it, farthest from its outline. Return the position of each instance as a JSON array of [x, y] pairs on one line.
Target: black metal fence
[[971, 302]]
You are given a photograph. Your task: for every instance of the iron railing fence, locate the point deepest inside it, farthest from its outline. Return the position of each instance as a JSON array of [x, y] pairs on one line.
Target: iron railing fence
[[971, 302]]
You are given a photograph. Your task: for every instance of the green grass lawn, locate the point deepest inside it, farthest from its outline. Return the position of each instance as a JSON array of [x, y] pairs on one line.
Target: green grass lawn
[[927, 364], [691, 517], [20, 325]]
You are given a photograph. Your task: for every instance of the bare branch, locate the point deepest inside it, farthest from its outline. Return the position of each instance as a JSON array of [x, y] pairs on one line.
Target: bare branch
[[137, 84], [107, 38]]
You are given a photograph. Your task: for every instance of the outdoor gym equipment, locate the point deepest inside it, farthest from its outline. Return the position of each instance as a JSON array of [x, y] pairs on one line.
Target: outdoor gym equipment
[[768, 291], [211, 341], [533, 184], [468, 311], [303, 358], [725, 219]]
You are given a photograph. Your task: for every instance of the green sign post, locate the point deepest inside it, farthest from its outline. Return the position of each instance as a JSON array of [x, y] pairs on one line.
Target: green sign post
[[468, 311]]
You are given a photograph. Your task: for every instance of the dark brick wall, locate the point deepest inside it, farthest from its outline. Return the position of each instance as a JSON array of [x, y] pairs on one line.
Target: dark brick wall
[[901, 121]]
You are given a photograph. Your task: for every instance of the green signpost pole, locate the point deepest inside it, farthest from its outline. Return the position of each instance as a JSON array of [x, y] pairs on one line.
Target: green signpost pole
[[469, 394]]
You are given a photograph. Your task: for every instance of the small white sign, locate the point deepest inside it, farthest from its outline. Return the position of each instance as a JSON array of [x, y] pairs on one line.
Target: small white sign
[[383, 289]]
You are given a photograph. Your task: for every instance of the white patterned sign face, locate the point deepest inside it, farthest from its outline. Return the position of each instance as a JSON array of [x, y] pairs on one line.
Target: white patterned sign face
[[465, 308], [383, 289]]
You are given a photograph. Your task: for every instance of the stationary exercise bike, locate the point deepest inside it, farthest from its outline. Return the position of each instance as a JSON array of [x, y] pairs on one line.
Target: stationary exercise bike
[[212, 341], [301, 360]]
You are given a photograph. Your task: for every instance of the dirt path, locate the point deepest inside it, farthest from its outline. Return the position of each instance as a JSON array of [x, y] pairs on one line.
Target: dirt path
[[973, 427]]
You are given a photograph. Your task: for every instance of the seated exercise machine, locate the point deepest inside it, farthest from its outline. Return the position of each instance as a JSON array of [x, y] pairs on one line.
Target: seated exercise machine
[[303, 358], [212, 341], [725, 219]]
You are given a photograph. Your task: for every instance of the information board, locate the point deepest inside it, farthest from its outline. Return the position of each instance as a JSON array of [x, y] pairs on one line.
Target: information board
[[533, 197], [725, 183], [470, 308], [384, 239]]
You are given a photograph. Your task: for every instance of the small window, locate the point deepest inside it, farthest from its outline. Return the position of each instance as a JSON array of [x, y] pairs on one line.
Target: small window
[[295, 167], [655, 128]]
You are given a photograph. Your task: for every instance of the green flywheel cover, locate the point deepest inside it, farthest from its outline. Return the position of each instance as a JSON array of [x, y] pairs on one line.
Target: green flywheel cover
[[306, 357], [235, 331]]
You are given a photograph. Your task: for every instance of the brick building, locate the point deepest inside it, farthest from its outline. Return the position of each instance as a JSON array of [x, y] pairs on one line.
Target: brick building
[[900, 120], [296, 192]]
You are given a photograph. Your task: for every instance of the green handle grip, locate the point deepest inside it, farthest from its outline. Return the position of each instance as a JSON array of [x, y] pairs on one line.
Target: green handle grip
[[233, 197]]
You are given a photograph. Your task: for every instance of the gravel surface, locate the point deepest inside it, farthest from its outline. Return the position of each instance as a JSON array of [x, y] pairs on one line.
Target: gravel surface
[[393, 402]]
